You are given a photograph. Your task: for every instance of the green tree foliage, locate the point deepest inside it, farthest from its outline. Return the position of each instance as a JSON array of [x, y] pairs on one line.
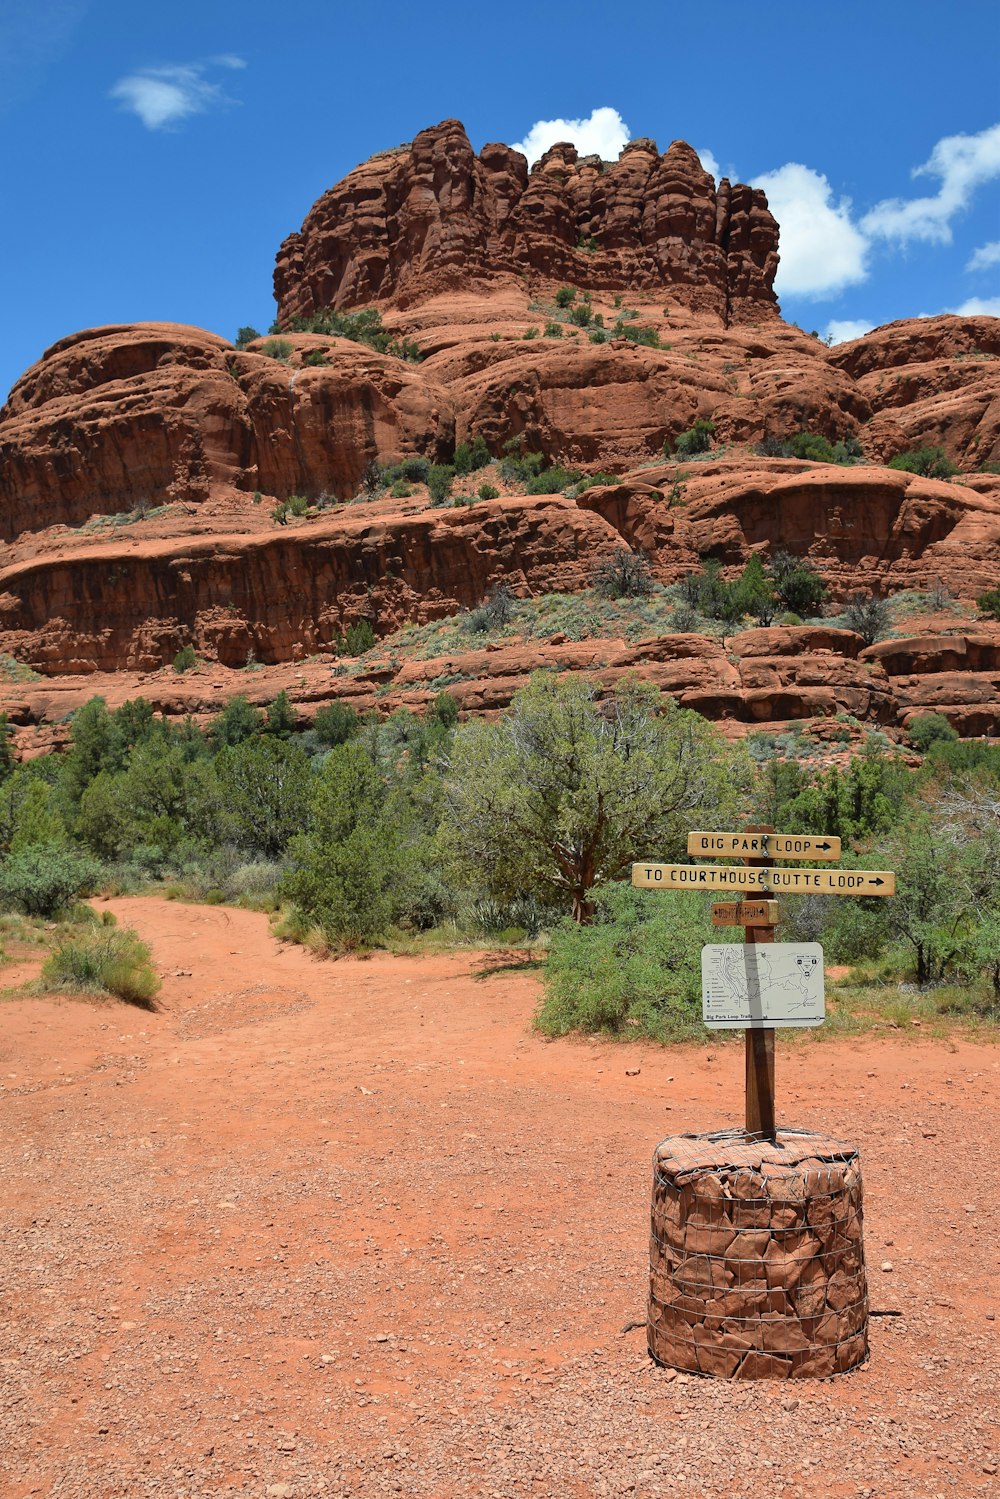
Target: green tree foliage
[[41, 881], [237, 722], [161, 802], [347, 871], [336, 724], [266, 788], [560, 794], [636, 969], [470, 456], [932, 463], [925, 729], [869, 616], [440, 477], [246, 335], [565, 296], [797, 584], [988, 603], [282, 717], [697, 439]]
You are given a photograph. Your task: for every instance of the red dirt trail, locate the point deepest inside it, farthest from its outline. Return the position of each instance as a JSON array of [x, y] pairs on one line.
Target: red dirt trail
[[351, 1228]]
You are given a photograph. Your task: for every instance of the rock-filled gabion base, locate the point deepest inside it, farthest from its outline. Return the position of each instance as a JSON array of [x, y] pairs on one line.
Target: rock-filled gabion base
[[756, 1259]]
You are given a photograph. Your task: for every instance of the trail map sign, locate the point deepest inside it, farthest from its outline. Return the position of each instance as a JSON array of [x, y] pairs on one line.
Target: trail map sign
[[762, 984], [767, 881], [779, 984]]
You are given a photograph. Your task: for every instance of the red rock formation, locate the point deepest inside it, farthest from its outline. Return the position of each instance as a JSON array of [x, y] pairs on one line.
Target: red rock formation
[[433, 217], [117, 417]]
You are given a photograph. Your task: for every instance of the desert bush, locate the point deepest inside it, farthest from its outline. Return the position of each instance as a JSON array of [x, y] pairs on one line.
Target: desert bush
[[277, 348], [598, 336], [335, 724], [648, 337], [254, 883], [931, 463], [565, 296], [41, 880], [552, 330], [697, 439], [298, 505], [186, 659], [811, 445], [439, 481], [443, 710], [401, 490], [635, 970], [496, 610], [870, 617], [106, 961], [797, 584], [925, 729], [552, 480], [988, 603], [530, 333], [373, 482], [358, 638], [245, 335], [470, 456], [623, 575], [581, 315], [488, 492]]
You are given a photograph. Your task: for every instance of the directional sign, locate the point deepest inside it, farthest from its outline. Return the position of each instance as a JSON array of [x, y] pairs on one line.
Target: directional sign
[[763, 846], [752, 986], [764, 881], [746, 913]]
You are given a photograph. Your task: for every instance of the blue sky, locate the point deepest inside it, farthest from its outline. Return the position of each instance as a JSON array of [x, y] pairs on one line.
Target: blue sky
[[156, 155]]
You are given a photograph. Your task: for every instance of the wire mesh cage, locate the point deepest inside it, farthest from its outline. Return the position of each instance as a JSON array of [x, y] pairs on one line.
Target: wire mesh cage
[[756, 1256]]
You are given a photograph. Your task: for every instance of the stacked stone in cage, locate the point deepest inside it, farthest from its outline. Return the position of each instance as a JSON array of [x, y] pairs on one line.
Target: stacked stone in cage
[[757, 1265]]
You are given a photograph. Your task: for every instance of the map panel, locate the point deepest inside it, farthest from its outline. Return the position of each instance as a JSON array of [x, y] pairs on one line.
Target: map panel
[[747, 985]]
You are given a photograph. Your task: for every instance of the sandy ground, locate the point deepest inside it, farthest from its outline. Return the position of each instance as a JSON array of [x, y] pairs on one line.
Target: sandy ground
[[352, 1229]]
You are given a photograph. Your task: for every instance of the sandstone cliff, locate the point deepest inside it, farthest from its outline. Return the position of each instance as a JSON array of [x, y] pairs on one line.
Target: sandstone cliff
[[433, 216]]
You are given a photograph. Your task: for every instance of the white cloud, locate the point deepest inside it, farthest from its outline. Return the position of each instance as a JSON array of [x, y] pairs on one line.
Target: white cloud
[[708, 161], [978, 307], [822, 249], [985, 256], [603, 133], [963, 163], [163, 96], [843, 330]]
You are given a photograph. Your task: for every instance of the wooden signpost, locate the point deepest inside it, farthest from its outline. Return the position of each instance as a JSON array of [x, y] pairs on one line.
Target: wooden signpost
[[758, 847]]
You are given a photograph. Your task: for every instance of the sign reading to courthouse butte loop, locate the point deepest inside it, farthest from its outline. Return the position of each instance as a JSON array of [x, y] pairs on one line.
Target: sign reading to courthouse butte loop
[[765, 881], [763, 846]]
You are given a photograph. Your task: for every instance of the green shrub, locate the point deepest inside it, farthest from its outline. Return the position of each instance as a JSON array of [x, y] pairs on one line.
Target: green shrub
[[812, 446], [439, 481], [565, 296], [932, 463], [297, 504], [106, 961], [697, 439], [277, 348], [552, 480], [41, 880], [360, 637], [315, 358], [186, 659], [623, 575], [598, 336], [797, 584], [651, 340], [496, 610], [988, 603], [336, 724], [581, 315], [926, 729], [443, 710], [246, 335], [530, 333], [553, 330], [363, 326], [870, 617], [488, 492], [635, 970], [401, 490], [472, 455]]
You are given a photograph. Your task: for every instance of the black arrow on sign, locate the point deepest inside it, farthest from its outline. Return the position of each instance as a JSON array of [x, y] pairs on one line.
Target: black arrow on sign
[[878, 882], [822, 845]]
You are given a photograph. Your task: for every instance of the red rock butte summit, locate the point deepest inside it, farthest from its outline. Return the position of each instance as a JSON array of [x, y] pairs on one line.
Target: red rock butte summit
[[432, 216]]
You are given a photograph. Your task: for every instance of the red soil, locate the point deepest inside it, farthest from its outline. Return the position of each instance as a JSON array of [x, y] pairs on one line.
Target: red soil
[[352, 1228]]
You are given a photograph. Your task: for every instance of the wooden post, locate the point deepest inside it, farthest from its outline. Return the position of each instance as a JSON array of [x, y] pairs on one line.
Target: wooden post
[[760, 1042]]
